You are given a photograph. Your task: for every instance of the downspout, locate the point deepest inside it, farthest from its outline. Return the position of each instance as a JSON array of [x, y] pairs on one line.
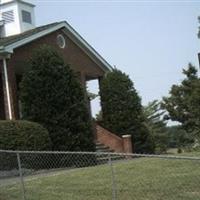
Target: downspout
[[7, 88]]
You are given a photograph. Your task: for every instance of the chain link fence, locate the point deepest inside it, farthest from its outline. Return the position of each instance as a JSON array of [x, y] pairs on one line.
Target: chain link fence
[[97, 176]]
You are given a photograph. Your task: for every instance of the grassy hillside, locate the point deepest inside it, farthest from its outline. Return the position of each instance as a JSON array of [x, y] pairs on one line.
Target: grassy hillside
[[138, 179]]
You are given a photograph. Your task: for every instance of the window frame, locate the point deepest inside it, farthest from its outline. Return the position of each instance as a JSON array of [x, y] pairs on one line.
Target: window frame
[[26, 17]]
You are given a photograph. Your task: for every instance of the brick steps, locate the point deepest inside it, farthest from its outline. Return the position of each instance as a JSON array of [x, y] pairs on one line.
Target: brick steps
[[103, 158], [117, 143], [102, 148]]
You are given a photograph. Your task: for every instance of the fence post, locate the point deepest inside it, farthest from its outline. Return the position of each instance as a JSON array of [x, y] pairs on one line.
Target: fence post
[[114, 189], [21, 176]]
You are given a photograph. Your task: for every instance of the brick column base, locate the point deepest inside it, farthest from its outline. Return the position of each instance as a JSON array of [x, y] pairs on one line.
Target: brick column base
[[127, 143]]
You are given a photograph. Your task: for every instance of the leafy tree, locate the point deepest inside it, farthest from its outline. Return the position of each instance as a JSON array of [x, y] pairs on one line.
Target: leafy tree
[[178, 137], [122, 110], [156, 125], [52, 96], [99, 117], [91, 95], [183, 103]]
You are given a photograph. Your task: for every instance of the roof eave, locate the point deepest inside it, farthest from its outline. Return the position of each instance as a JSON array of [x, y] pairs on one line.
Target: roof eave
[[89, 48], [20, 1], [4, 50], [4, 53]]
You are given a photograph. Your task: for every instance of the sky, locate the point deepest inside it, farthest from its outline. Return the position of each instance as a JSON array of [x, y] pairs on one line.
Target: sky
[[151, 41]]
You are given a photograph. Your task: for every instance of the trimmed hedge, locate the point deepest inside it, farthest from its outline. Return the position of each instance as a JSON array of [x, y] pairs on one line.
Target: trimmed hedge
[[23, 135], [31, 136]]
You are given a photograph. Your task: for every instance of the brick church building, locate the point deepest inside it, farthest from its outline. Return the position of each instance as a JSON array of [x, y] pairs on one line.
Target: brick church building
[[19, 37]]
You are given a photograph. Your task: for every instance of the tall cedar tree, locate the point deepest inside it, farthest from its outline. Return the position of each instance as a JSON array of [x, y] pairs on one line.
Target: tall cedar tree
[[122, 110], [51, 95], [183, 104]]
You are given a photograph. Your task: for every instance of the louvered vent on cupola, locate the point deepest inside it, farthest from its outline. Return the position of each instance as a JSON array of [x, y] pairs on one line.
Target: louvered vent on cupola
[[8, 16], [18, 16]]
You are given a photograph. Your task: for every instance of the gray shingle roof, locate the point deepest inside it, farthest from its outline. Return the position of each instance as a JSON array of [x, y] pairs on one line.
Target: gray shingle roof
[[15, 38]]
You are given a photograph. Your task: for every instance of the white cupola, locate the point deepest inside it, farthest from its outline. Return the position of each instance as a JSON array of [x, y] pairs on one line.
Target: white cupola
[[16, 16]]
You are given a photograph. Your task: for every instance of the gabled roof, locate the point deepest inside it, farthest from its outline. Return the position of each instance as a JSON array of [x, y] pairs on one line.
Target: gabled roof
[[8, 44], [5, 41], [20, 1]]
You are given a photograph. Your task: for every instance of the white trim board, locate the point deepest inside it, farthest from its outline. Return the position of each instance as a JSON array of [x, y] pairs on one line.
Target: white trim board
[[7, 88]]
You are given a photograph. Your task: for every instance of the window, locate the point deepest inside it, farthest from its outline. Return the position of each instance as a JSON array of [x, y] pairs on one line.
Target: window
[[8, 16], [26, 17], [61, 41]]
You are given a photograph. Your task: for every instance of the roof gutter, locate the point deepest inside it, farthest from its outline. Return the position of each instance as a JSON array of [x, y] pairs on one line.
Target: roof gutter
[[4, 51]]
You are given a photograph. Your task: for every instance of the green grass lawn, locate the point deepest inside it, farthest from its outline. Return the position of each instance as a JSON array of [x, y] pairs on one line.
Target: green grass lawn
[[138, 179]]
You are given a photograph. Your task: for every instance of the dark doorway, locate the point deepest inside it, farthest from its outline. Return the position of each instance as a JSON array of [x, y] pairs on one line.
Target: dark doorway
[[2, 107]]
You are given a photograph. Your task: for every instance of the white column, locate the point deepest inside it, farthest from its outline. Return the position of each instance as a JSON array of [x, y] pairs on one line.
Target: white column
[[7, 88]]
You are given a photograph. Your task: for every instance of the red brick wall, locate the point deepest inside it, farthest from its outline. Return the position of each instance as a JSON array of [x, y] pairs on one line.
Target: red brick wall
[[127, 143], [114, 142], [109, 139], [72, 54]]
